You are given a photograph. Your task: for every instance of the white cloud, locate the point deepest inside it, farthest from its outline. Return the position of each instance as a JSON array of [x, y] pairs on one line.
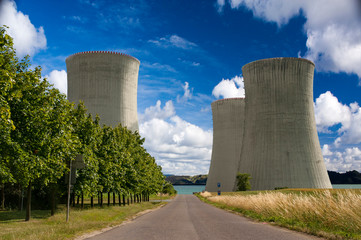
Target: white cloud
[[326, 150], [157, 112], [220, 5], [174, 41], [229, 88], [333, 34], [330, 112], [158, 66], [27, 39], [187, 93], [178, 146], [279, 11], [349, 159], [352, 133], [59, 80]]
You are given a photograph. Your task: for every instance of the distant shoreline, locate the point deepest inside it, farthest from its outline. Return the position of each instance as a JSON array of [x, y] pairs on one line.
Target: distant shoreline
[[350, 177]]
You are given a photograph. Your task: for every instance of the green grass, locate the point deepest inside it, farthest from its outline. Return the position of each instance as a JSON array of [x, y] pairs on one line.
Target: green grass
[[43, 226], [333, 214]]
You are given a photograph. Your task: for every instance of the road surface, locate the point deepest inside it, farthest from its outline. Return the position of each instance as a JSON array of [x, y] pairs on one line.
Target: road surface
[[186, 217]]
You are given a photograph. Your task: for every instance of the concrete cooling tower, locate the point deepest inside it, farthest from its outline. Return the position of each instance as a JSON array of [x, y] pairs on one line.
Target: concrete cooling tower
[[228, 119], [280, 145], [107, 83]]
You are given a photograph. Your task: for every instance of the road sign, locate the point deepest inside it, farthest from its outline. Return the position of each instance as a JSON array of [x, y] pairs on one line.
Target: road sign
[[73, 177]]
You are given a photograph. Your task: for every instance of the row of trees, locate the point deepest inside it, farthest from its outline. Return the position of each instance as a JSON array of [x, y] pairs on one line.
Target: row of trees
[[41, 132]]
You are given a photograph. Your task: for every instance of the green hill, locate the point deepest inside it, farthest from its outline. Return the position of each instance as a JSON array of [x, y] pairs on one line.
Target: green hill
[[187, 180]]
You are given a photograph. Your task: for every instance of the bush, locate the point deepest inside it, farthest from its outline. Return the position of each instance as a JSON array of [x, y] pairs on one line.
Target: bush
[[168, 188], [243, 183]]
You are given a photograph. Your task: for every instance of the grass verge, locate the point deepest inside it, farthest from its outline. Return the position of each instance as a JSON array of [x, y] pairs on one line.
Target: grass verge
[[82, 221], [332, 214]]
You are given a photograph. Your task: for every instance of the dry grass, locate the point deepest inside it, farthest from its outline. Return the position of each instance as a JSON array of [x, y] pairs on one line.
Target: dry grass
[[338, 212], [206, 194]]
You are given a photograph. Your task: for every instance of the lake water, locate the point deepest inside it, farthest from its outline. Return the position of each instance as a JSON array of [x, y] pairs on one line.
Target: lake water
[[346, 186], [189, 189]]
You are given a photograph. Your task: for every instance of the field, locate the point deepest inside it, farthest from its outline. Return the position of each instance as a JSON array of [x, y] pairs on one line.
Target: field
[[333, 214], [82, 221]]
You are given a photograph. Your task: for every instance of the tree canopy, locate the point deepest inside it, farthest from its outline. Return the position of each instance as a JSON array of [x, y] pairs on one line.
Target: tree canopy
[[41, 132]]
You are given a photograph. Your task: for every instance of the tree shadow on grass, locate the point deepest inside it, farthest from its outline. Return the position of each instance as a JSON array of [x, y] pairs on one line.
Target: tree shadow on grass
[[19, 216]]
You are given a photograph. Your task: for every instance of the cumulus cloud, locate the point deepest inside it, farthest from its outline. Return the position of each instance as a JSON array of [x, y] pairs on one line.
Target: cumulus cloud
[[229, 88], [59, 80], [342, 161], [174, 41], [157, 112], [27, 38], [178, 146], [333, 34], [330, 112], [187, 93]]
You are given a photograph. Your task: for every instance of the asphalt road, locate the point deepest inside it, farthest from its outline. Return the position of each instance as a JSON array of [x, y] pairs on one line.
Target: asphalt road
[[186, 217]]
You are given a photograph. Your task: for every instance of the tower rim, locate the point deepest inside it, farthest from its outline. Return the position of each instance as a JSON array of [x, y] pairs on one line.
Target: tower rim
[[277, 58], [227, 99], [101, 52]]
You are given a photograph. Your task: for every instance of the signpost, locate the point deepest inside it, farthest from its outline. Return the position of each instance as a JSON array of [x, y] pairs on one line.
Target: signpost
[[78, 163]]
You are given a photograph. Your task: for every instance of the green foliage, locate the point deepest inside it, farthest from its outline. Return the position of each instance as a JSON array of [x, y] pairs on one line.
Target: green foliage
[[41, 132], [243, 183], [168, 188]]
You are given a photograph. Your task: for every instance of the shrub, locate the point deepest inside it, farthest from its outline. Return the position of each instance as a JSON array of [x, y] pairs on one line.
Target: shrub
[[243, 183]]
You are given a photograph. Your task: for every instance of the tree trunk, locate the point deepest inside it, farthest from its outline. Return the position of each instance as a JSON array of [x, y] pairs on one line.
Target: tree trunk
[[120, 203], [73, 198], [77, 200], [52, 199], [3, 196], [131, 198], [98, 198], [91, 201], [128, 200], [108, 199], [82, 200], [113, 199], [28, 203], [123, 200], [101, 199]]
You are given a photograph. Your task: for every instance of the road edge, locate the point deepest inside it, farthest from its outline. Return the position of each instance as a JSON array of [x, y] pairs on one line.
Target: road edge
[[126, 221]]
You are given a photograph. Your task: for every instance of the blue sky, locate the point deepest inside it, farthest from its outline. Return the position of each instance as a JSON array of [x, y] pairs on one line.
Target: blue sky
[[191, 54]]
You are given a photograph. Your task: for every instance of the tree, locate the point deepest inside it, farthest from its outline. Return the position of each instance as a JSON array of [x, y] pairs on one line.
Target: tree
[[89, 134], [41, 140], [243, 182], [8, 64]]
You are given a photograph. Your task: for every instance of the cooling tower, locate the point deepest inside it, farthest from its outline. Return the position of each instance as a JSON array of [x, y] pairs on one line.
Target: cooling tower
[[228, 119], [107, 83], [280, 146]]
